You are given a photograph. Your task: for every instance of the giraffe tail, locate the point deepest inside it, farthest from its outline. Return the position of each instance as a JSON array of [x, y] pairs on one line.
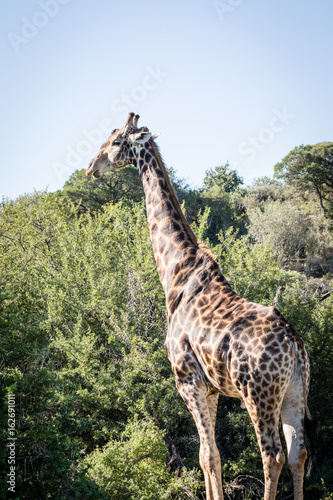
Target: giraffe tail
[[310, 426], [310, 423]]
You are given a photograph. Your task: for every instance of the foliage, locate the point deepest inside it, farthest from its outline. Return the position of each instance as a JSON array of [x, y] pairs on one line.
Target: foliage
[[89, 194], [134, 466], [300, 241], [82, 334], [283, 225], [252, 270], [222, 178], [83, 326], [311, 168], [263, 190], [222, 193], [320, 247]]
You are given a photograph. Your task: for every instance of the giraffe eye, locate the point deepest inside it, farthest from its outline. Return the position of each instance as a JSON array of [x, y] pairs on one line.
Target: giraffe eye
[[116, 143]]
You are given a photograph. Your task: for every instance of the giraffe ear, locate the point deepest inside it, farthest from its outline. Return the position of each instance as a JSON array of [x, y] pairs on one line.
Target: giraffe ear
[[141, 137]]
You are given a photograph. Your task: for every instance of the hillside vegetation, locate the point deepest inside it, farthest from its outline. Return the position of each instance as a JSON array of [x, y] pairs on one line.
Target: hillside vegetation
[[83, 325]]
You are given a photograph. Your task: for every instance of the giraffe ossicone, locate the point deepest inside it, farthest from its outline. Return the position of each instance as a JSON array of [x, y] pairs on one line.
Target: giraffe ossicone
[[217, 342]]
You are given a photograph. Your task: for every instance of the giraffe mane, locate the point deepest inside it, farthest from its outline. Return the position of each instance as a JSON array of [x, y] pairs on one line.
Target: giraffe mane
[[207, 252], [175, 200]]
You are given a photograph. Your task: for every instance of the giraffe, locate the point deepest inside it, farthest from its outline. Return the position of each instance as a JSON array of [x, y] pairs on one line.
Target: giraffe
[[217, 342]]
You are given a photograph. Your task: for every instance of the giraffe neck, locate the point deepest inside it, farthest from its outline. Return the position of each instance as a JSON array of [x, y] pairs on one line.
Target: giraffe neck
[[170, 233]]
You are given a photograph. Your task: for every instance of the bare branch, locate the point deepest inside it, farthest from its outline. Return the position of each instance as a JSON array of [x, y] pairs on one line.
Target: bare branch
[[325, 296]]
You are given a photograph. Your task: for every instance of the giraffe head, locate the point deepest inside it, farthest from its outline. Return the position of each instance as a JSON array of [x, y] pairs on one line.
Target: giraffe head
[[122, 147]]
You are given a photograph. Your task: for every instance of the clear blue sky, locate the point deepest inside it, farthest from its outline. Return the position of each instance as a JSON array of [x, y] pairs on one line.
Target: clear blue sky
[[244, 81]]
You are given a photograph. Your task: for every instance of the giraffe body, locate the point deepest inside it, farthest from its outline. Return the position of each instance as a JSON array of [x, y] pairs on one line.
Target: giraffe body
[[217, 342]]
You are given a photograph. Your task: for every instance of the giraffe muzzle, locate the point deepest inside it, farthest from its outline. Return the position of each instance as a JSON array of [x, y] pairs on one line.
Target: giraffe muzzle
[[93, 169]]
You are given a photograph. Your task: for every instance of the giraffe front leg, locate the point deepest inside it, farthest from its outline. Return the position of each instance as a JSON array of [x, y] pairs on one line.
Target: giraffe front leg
[[203, 409]]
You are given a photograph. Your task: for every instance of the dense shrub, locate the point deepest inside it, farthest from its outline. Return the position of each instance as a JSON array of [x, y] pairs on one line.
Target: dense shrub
[[82, 331]]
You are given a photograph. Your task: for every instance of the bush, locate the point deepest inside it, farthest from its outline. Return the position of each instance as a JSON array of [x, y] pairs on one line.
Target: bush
[[134, 467], [83, 325], [284, 226]]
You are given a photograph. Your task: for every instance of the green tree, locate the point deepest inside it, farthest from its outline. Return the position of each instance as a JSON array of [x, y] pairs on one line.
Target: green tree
[[284, 226], [81, 343], [263, 190], [222, 193], [82, 333], [91, 194], [134, 467], [222, 178], [310, 168]]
